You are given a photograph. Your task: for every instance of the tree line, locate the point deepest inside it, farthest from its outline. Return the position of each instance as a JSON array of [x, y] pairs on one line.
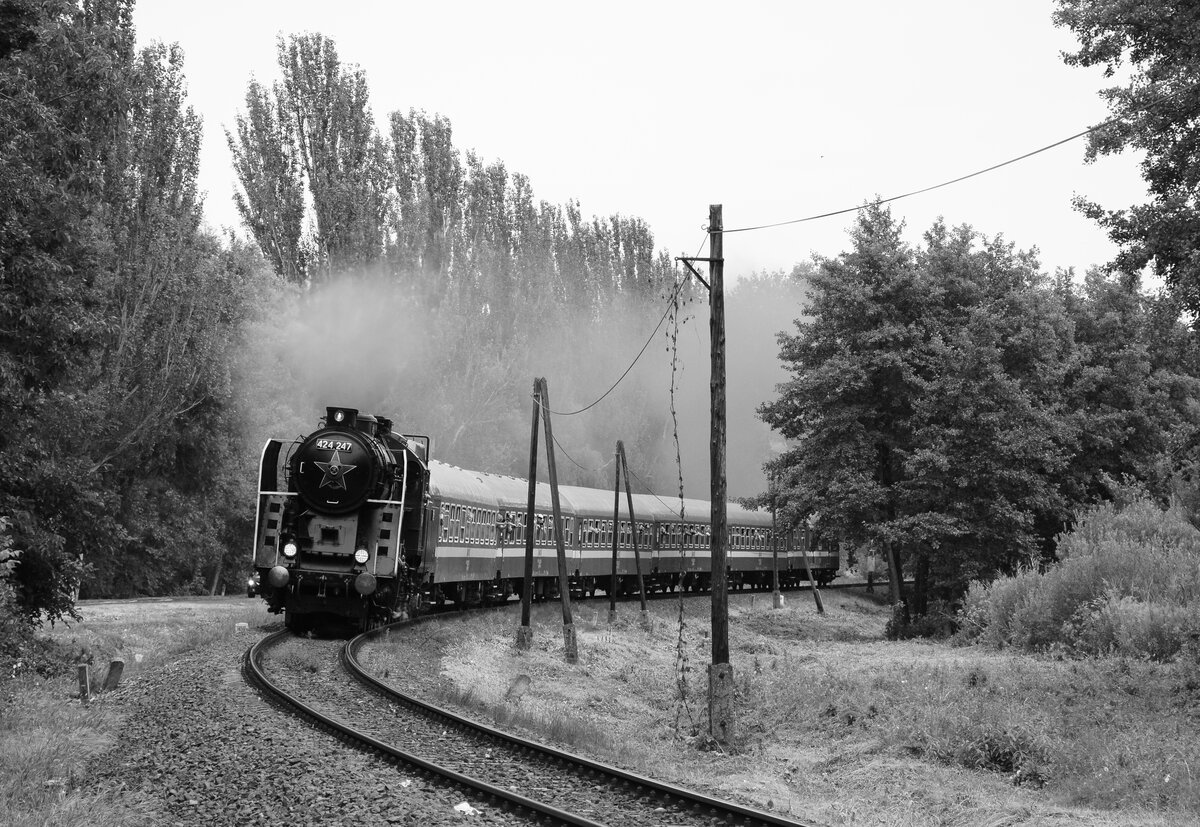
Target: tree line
[[117, 310], [950, 404]]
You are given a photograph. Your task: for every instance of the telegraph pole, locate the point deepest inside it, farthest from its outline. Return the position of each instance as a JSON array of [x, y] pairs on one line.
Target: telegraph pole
[[525, 632], [720, 673], [570, 642]]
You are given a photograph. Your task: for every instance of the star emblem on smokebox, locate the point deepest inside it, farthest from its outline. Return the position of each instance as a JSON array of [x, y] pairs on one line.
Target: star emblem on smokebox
[[335, 472]]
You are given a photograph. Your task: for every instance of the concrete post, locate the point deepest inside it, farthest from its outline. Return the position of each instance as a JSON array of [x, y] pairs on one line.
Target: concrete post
[[570, 644], [115, 669], [524, 637], [720, 694], [85, 682]]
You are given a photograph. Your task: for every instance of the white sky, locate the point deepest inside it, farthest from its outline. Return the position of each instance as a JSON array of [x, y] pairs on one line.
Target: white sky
[[777, 110]]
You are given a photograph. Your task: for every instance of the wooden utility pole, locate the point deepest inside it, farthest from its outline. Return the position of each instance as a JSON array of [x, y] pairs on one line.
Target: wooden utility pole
[[720, 673], [637, 557], [525, 632], [564, 579], [776, 595], [812, 584], [612, 583]]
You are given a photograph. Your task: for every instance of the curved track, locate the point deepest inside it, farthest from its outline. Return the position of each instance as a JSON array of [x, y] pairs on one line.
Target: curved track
[[569, 789], [257, 675]]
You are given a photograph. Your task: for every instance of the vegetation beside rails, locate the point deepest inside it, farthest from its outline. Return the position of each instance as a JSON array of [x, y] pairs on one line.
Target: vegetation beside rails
[[834, 723], [50, 740]]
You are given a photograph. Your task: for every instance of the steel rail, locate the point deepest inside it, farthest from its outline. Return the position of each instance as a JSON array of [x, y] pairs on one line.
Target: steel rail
[[257, 676]]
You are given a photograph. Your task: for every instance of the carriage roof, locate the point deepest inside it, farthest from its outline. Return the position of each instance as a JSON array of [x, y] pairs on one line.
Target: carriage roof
[[512, 493]]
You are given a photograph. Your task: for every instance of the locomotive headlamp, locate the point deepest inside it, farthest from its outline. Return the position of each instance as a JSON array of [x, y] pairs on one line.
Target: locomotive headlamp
[[339, 416], [289, 550], [361, 556], [365, 584]]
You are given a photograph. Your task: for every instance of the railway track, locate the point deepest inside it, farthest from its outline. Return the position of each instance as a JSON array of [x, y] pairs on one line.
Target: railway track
[[495, 769]]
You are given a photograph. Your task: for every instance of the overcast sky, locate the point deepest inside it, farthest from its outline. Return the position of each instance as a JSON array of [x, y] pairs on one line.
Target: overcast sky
[[777, 110]]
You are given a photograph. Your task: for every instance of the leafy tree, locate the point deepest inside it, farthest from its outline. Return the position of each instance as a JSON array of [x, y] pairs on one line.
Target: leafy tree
[[925, 408], [63, 91], [1157, 111], [990, 435], [857, 373], [116, 314], [1134, 388]]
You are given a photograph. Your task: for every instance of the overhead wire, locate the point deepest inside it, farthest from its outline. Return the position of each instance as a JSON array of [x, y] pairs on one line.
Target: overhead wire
[[1164, 99], [621, 378], [670, 306], [923, 189], [576, 464]]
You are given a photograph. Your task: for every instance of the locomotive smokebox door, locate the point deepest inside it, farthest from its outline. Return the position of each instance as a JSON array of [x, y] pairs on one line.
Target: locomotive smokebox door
[[337, 469]]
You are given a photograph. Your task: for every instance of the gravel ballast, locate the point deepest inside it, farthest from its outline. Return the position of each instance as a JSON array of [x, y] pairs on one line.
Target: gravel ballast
[[209, 750]]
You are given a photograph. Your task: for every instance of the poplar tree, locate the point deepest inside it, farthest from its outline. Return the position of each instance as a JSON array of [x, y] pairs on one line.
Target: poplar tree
[[266, 160]]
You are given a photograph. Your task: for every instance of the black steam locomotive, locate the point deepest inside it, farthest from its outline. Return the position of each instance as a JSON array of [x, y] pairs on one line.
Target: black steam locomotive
[[356, 521], [341, 520]]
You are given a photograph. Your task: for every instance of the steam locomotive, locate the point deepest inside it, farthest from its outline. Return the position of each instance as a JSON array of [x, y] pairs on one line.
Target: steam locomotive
[[356, 521]]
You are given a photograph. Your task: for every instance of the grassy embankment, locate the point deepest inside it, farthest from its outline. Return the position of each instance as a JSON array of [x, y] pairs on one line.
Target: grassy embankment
[[835, 724], [49, 739]]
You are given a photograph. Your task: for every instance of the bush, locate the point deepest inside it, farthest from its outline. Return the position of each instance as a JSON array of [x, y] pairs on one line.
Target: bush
[[938, 623], [1128, 582], [20, 651]]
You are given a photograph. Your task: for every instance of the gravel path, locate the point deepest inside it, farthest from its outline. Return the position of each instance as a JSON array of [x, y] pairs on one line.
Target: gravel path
[[209, 750]]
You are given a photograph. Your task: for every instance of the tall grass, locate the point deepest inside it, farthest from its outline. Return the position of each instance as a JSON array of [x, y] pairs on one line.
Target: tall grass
[[46, 746], [1127, 583], [1107, 733]]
